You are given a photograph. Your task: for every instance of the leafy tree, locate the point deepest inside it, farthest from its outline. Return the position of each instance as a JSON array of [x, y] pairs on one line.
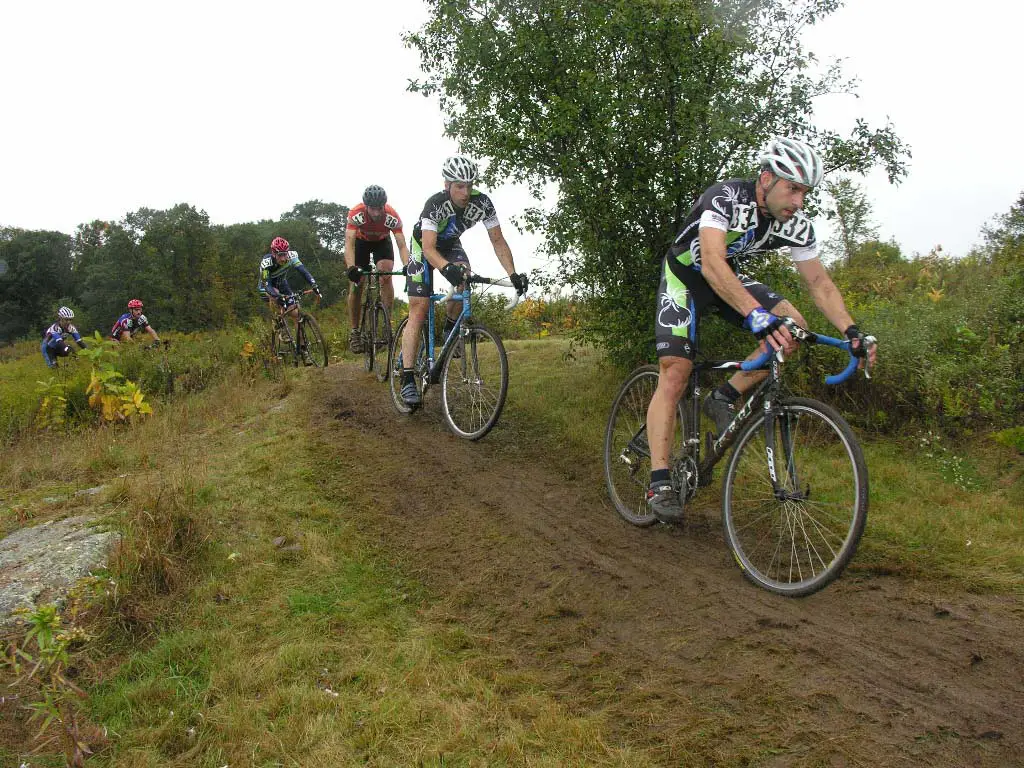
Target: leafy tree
[[850, 212], [328, 221], [632, 108], [37, 279]]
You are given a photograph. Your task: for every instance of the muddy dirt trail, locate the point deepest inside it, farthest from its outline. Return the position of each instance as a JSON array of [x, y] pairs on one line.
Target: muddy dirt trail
[[658, 630]]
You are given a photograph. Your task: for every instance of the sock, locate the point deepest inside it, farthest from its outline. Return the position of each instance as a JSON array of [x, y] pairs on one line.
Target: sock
[[660, 477], [407, 376], [448, 325], [726, 392]]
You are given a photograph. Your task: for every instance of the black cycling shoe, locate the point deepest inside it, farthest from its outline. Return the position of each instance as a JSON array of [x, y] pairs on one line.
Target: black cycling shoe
[[411, 395], [665, 503], [721, 412]]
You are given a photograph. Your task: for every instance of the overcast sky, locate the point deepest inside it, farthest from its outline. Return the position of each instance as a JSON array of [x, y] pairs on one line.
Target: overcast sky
[[244, 109]]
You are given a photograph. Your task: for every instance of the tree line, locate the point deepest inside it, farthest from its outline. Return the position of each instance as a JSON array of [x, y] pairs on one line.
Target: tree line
[[190, 274]]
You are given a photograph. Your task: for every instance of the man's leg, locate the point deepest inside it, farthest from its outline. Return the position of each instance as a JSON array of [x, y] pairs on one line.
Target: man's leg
[[387, 288], [720, 405], [418, 308]]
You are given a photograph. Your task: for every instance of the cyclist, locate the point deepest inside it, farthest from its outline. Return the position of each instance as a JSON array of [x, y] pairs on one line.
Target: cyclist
[[54, 345], [731, 222], [435, 244], [368, 232], [273, 283], [131, 323]]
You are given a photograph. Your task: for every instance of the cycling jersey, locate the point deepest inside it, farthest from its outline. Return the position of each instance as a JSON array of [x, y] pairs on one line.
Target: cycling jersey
[[54, 345], [56, 333], [684, 295], [731, 207], [365, 228], [440, 215], [274, 276], [130, 324]]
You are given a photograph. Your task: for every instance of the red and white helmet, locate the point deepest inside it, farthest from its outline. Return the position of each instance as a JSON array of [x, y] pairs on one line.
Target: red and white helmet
[[134, 304], [279, 245]]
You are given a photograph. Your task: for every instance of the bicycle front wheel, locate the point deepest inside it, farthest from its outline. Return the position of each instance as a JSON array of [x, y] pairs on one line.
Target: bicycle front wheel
[[474, 382], [795, 541], [379, 349], [395, 367], [312, 340], [627, 456]]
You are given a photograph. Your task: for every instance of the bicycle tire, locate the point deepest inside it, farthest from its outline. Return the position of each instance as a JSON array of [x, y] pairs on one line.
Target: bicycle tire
[[395, 366], [380, 341], [627, 460], [798, 545], [366, 333], [310, 335], [472, 366], [282, 347]]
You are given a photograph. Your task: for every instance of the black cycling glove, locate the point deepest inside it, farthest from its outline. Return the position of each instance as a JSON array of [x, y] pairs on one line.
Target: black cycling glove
[[354, 275], [454, 274], [853, 333], [520, 281]]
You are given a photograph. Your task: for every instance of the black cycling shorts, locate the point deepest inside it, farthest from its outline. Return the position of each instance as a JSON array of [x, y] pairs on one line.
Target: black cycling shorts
[[381, 250], [684, 297]]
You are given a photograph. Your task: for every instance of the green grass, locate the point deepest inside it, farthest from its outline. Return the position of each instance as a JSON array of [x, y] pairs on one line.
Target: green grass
[[222, 647]]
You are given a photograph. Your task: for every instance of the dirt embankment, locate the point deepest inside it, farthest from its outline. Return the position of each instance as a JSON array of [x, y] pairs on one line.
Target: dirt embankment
[[657, 628]]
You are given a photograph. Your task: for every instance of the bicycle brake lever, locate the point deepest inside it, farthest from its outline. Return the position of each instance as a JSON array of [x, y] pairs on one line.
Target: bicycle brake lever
[[869, 341]]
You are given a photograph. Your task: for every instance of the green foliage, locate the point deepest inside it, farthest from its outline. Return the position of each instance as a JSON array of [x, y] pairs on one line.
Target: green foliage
[[1011, 438], [38, 279], [632, 109]]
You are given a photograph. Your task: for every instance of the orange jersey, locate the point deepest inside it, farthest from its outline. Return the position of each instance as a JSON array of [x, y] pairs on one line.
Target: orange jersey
[[365, 228]]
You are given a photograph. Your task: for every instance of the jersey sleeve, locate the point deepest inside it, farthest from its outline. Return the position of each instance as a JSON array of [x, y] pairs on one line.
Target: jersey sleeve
[[356, 218], [490, 213]]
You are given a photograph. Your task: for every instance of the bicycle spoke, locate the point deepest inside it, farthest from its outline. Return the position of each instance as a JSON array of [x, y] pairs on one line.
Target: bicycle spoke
[[797, 539]]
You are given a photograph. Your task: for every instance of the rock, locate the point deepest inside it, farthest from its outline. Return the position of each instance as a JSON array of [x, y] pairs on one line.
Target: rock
[[90, 491], [279, 541], [40, 564]]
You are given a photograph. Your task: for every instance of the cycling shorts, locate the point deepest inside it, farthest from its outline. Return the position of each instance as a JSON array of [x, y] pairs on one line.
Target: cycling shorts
[[683, 299], [420, 273], [381, 250]]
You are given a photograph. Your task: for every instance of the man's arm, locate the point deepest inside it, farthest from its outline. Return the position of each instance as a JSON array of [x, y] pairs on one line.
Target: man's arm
[[824, 292], [501, 249], [723, 281], [350, 247], [828, 299], [403, 249], [152, 332], [433, 256]]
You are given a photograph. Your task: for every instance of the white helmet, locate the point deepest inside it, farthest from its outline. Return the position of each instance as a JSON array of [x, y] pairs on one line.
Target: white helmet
[[793, 160], [459, 168], [64, 313]]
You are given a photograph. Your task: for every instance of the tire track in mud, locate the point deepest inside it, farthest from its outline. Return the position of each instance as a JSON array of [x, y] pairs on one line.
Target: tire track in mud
[[658, 629]]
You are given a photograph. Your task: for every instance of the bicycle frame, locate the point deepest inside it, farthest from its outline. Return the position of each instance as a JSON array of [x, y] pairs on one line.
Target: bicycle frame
[[766, 394]]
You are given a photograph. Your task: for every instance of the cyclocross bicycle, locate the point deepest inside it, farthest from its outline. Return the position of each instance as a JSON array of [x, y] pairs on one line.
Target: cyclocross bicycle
[[375, 326], [308, 338], [471, 367], [795, 491]]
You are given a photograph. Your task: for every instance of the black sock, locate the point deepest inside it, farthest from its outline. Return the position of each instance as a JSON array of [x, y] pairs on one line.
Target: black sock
[[726, 392], [659, 476], [448, 325], [408, 374]]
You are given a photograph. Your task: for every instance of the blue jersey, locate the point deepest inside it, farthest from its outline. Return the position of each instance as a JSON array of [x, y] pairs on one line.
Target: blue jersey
[[56, 333], [274, 276]]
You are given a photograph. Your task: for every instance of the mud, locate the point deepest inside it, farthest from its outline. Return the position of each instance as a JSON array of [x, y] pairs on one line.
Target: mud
[[657, 629]]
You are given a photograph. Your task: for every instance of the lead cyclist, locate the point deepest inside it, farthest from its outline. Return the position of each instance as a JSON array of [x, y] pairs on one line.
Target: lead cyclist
[[731, 222]]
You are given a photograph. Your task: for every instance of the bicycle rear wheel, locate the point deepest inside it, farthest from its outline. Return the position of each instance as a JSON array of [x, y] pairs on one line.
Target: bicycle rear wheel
[[627, 456], [379, 350], [312, 340], [474, 382], [799, 543], [395, 367]]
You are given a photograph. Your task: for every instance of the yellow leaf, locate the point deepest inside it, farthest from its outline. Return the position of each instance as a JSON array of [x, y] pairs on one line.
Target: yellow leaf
[[111, 408], [935, 295]]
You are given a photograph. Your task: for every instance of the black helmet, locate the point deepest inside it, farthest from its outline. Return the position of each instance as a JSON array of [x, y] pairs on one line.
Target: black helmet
[[375, 196]]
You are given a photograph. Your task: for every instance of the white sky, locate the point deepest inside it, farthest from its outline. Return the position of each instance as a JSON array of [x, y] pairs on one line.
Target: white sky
[[244, 109]]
